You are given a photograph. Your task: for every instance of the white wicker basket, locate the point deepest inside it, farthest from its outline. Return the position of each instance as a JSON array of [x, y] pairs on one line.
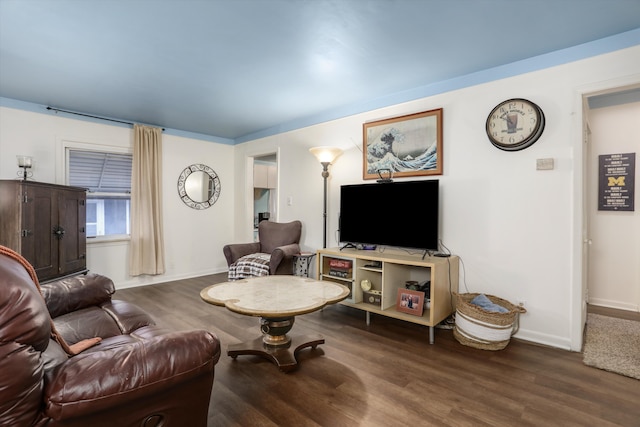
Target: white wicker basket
[[486, 330]]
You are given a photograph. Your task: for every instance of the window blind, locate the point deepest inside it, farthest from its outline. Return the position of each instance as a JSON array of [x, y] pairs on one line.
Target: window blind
[[100, 172]]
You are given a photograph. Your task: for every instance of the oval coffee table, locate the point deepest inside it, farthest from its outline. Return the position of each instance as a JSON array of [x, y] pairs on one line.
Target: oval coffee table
[[276, 300]]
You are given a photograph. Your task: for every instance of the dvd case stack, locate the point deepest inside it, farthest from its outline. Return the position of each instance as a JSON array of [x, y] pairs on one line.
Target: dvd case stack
[[341, 268]]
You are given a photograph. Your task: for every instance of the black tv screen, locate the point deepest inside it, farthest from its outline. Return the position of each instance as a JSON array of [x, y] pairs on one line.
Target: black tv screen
[[401, 214]]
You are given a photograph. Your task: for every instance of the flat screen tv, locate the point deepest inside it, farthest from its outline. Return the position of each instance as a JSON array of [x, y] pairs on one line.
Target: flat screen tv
[[399, 214]]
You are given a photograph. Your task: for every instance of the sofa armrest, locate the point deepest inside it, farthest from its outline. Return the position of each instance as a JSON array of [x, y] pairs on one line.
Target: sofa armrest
[[123, 377], [76, 292], [237, 250], [281, 254]]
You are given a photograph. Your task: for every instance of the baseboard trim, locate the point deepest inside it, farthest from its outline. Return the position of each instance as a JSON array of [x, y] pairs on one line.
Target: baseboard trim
[[544, 339], [156, 280], [614, 304]]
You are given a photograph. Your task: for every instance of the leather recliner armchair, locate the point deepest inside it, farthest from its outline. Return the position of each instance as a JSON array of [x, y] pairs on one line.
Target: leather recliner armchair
[[138, 375], [280, 241]]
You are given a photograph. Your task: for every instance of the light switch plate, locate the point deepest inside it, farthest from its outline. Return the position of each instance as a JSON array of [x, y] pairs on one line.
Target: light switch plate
[[544, 164]]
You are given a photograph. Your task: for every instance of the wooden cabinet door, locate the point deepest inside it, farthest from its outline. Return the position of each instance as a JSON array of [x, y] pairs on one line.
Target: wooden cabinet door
[[10, 215], [260, 176], [39, 215], [73, 237]]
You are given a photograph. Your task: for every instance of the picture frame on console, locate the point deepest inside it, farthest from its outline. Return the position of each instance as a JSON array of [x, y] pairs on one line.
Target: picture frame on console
[[411, 302], [404, 146]]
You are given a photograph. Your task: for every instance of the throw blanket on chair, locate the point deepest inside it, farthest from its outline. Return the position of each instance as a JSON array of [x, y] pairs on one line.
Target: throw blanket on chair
[[253, 265]]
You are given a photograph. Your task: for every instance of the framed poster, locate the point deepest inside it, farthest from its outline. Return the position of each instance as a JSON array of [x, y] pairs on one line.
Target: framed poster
[[409, 301], [403, 146], [616, 182]]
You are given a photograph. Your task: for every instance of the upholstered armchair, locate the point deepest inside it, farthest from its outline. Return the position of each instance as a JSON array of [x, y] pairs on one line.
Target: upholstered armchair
[[72, 356], [271, 254]]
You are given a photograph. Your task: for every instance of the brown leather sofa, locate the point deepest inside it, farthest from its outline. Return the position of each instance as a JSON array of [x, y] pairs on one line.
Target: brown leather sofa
[[138, 375]]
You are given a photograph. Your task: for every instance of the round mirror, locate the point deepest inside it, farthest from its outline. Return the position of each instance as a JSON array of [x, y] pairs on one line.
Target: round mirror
[[199, 186]]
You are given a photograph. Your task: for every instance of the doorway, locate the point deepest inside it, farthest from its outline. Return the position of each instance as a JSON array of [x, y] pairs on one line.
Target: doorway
[[612, 237], [265, 190]]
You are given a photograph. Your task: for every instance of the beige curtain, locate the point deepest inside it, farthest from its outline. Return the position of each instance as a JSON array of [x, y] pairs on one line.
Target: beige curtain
[[147, 240]]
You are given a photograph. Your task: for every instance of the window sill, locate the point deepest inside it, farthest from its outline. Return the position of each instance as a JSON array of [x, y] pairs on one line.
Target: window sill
[[108, 239]]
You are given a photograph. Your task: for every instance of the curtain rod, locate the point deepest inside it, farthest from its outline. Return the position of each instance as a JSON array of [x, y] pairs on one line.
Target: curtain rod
[[89, 115]]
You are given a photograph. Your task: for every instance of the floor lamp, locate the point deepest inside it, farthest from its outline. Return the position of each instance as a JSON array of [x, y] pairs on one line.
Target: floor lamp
[[325, 155]]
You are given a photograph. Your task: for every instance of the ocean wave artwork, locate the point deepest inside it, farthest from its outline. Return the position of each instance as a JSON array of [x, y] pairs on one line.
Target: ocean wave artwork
[[394, 150]]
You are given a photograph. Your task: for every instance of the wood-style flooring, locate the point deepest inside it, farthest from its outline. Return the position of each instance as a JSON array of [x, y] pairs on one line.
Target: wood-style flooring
[[387, 374]]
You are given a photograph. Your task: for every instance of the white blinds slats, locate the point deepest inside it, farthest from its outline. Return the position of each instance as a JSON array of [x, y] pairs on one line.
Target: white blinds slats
[[100, 172]]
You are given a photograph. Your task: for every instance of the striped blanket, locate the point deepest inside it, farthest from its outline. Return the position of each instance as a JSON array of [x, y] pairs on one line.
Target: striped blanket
[[253, 265]]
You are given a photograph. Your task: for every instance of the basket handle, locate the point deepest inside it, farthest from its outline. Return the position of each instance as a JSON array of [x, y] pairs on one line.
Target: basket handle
[[516, 324], [520, 309]]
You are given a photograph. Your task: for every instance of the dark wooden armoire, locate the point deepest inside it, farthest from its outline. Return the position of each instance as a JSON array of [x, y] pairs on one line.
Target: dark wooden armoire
[[46, 224]]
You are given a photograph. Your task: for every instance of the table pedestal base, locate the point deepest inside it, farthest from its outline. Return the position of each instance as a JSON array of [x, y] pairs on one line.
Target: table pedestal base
[[283, 356]]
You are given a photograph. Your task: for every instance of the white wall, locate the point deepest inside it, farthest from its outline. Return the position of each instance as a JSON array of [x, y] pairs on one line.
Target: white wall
[[516, 229], [614, 261], [193, 239]]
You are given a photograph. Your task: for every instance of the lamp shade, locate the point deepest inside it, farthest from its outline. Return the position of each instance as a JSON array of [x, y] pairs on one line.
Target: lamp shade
[[24, 161], [325, 154]]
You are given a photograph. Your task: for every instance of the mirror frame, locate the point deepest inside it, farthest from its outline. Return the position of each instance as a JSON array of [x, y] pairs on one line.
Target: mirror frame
[[215, 182]]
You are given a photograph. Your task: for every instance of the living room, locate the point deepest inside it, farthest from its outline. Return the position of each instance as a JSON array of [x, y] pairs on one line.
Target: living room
[[518, 230], [492, 201]]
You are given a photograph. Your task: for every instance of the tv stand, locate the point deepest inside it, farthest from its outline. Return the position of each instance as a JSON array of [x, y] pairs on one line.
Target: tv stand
[[387, 272]]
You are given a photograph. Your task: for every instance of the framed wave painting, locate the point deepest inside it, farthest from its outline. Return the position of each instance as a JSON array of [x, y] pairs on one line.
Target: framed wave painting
[[403, 146]]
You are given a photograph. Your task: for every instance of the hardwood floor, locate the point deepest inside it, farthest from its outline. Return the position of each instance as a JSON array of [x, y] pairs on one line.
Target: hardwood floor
[[387, 374]]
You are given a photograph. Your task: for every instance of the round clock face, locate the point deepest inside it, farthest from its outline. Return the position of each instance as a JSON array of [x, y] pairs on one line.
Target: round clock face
[[515, 124]]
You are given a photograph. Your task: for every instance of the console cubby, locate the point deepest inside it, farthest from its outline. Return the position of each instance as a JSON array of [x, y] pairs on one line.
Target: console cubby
[[345, 276], [387, 272]]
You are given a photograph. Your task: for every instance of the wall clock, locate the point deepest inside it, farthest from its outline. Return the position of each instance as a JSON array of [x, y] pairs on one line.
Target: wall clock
[[515, 124]]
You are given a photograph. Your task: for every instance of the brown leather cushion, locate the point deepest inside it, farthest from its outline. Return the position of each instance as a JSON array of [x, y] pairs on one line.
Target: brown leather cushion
[[129, 370], [23, 317], [77, 292], [25, 331]]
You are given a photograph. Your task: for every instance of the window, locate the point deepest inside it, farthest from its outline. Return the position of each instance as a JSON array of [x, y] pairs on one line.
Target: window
[[107, 176]]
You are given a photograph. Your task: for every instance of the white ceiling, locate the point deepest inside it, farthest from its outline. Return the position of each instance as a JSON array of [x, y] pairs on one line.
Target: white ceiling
[[236, 69]]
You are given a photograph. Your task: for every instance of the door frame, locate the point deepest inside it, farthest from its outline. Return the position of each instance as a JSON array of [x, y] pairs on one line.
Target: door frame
[[581, 238]]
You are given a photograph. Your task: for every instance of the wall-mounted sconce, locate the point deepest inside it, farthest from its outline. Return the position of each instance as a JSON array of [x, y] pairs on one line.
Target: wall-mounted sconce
[[325, 155], [25, 162]]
